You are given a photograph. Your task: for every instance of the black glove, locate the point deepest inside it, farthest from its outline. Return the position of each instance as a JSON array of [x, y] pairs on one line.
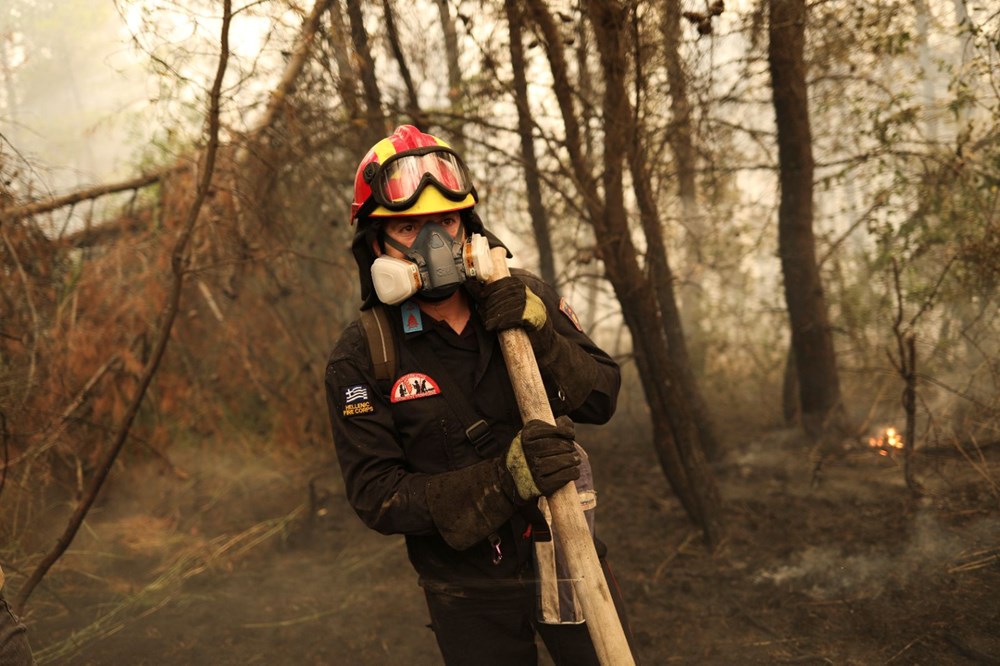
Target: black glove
[[542, 458], [508, 303], [469, 504]]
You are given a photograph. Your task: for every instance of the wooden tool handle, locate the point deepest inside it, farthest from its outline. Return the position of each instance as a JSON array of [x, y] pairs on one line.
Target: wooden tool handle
[[571, 527]]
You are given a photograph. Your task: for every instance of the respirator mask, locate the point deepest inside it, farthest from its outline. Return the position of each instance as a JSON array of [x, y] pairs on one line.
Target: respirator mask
[[435, 266]]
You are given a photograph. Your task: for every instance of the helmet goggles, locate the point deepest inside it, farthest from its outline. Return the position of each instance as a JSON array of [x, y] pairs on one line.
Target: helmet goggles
[[399, 181]]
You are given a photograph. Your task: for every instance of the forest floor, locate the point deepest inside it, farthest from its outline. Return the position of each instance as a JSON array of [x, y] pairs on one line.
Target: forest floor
[[218, 560]]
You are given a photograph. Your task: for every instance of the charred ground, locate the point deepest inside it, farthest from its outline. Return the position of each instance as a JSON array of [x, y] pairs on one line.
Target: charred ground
[[827, 560]]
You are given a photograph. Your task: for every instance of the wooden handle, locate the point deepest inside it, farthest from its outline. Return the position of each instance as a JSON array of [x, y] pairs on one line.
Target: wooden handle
[[570, 524]]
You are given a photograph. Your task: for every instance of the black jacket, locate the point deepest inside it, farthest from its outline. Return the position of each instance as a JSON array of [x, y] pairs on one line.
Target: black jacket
[[391, 438]]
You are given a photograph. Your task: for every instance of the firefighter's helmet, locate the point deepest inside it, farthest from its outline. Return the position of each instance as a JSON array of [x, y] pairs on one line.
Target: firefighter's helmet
[[408, 173], [411, 173]]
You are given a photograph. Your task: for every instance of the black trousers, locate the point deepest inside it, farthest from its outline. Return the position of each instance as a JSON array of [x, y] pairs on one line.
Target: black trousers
[[487, 630]]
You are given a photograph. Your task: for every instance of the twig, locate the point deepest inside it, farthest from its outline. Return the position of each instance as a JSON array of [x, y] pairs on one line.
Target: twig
[[170, 314], [863, 427], [991, 556], [879, 201], [330, 611], [349, 602], [805, 658], [930, 297], [292, 71], [905, 648], [670, 558]]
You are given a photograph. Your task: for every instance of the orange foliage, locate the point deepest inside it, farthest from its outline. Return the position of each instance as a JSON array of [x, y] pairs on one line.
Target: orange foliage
[[246, 352]]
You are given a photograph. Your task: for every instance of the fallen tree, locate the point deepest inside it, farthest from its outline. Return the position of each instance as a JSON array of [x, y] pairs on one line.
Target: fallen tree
[[13, 213]]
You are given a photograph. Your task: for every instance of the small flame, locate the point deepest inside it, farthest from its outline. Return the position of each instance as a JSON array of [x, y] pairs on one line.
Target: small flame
[[888, 440]]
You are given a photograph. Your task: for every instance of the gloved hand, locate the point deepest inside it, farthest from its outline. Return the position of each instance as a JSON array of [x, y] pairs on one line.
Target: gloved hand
[[470, 503], [508, 303], [542, 458]]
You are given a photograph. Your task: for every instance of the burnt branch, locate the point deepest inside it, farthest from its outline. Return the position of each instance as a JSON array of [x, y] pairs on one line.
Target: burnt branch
[[12, 213]]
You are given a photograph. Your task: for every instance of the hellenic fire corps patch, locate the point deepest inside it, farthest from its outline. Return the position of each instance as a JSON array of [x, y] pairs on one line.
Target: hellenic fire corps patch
[[356, 401], [568, 311], [412, 386]]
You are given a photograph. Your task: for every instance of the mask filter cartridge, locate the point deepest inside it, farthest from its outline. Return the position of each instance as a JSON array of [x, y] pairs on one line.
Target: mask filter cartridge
[[395, 279]]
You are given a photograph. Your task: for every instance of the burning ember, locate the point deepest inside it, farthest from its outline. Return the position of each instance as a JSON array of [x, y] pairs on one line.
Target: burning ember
[[889, 439]]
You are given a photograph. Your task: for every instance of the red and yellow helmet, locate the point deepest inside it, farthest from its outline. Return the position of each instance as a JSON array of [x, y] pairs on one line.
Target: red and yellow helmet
[[393, 178]]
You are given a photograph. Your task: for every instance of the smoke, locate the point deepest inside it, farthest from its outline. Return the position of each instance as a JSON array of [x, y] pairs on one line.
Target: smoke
[[828, 572]]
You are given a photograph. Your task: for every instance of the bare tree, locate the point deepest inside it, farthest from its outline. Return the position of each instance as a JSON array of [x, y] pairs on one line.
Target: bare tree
[[345, 78], [681, 138], [377, 124], [392, 34], [661, 275], [675, 433], [533, 185], [456, 96], [812, 341]]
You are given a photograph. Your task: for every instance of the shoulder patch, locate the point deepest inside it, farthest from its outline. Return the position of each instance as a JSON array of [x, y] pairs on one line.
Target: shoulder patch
[[356, 400], [565, 308], [412, 386]]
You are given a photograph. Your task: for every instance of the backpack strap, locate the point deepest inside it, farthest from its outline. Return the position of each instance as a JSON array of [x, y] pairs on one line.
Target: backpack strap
[[381, 345]]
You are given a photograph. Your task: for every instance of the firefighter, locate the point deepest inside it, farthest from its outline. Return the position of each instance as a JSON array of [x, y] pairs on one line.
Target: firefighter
[[436, 450]]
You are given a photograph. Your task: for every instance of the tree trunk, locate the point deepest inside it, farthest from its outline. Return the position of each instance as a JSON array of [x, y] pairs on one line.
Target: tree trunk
[[377, 125], [455, 96], [346, 81], [412, 103], [966, 34], [533, 185], [583, 83], [928, 72], [812, 341], [87, 194], [681, 138], [662, 280], [680, 452], [608, 18], [790, 391]]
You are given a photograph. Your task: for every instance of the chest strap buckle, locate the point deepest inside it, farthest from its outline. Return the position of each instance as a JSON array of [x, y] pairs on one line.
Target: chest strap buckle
[[481, 436]]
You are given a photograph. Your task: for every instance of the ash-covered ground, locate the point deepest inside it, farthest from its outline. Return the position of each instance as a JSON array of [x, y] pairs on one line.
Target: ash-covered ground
[[220, 560]]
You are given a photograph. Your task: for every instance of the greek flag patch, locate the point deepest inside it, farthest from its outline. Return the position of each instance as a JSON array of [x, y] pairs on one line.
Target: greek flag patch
[[356, 401]]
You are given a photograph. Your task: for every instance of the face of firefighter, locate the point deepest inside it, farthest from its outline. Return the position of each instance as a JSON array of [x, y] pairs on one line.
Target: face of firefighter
[[423, 255], [404, 230]]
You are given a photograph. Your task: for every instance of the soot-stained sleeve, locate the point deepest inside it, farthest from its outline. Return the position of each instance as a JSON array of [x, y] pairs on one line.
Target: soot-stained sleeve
[[583, 380], [380, 487]]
